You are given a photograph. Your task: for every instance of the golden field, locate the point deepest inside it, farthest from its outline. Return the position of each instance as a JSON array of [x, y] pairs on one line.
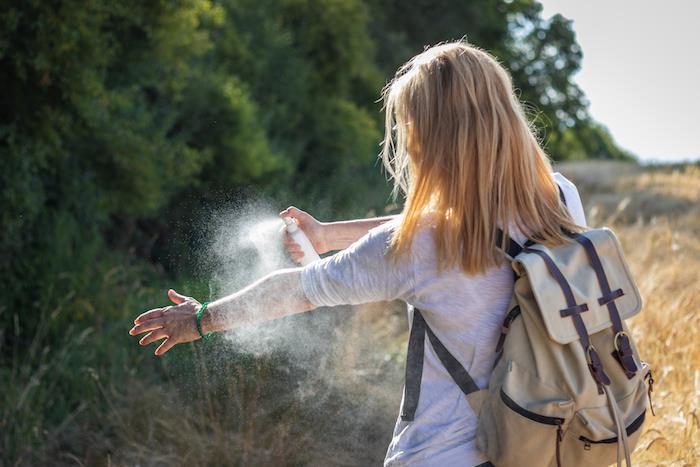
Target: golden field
[[656, 214]]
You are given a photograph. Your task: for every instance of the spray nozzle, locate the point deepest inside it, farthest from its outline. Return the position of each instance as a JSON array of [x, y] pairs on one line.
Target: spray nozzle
[[291, 224]]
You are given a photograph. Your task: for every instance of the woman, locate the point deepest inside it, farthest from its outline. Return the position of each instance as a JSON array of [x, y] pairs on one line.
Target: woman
[[459, 146]]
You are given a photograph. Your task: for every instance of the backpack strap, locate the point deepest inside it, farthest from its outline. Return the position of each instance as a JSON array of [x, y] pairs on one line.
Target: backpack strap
[[414, 365], [574, 310], [561, 195], [622, 441], [623, 350], [513, 249], [459, 374]]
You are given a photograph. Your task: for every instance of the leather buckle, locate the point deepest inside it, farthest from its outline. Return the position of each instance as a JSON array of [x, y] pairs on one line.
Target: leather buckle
[[624, 355], [596, 368], [625, 347]]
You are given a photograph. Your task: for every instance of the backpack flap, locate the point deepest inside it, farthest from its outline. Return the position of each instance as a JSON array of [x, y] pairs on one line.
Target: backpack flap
[[573, 261]]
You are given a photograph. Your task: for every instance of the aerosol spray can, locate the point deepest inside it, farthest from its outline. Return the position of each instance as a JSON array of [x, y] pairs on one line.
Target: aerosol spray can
[[300, 237]]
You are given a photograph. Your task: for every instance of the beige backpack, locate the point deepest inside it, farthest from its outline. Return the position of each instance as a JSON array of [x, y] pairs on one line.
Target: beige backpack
[[568, 387]]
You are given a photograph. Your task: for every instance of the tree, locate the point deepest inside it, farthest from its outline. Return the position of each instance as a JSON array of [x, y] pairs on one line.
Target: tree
[[541, 55]]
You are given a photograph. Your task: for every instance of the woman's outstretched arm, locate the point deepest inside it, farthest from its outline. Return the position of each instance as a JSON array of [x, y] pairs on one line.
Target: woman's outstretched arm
[[274, 296]]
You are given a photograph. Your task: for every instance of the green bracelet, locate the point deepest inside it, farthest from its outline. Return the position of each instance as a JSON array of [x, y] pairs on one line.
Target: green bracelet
[[199, 321]]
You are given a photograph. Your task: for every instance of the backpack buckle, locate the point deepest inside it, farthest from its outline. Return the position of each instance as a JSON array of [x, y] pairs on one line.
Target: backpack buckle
[[505, 327], [650, 382], [596, 368], [625, 344], [624, 355]]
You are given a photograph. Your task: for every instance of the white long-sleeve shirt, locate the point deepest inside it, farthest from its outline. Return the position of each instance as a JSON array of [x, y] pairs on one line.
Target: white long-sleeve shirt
[[464, 312]]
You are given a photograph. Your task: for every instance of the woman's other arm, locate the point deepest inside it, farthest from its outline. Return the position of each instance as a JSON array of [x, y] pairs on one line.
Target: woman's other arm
[[327, 236], [342, 234]]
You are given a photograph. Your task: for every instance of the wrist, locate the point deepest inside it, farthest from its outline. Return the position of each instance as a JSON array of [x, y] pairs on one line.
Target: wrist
[[325, 235], [206, 321]]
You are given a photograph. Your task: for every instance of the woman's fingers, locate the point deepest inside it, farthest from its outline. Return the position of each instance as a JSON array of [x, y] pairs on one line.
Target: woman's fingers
[[292, 247], [175, 323], [176, 298], [297, 257], [153, 336], [290, 244], [150, 325], [302, 218], [151, 314], [166, 345], [291, 211]]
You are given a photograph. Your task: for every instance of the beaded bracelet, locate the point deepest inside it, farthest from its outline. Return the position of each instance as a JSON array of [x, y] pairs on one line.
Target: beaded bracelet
[[199, 322]]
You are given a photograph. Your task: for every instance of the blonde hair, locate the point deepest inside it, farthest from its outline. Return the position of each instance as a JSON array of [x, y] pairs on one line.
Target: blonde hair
[[458, 144]]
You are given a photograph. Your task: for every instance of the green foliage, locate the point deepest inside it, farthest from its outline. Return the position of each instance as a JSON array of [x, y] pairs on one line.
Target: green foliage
[[124, 122], [542, 56]]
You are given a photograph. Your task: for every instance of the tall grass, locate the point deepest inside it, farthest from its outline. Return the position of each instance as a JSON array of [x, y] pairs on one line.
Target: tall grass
[[79, 391], [656, 213]]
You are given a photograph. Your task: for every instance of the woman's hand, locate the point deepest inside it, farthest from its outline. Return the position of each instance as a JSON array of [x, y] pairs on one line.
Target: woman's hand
[[176, 324], [314, 230]]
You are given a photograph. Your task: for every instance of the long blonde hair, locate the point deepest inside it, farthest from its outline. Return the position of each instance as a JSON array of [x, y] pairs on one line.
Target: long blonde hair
[[458, 144]]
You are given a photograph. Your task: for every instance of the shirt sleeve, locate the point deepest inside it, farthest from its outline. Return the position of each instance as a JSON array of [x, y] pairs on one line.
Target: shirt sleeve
[[361, 273], [573, 200]]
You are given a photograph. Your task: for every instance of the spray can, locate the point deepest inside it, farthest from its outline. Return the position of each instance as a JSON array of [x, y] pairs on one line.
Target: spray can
[[300, 237]]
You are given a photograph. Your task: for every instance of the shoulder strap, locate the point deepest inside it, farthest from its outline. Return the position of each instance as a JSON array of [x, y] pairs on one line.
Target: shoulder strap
[[513, 249], [414, 365], [561, 194]]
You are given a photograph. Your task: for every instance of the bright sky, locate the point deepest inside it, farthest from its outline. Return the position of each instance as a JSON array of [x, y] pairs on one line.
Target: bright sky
[[640, 71]]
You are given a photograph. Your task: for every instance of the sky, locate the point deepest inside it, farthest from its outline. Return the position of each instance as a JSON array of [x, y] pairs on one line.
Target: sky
[[640, 71]]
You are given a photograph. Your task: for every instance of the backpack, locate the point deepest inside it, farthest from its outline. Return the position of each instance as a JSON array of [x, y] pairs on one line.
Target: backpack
[[568, 386]]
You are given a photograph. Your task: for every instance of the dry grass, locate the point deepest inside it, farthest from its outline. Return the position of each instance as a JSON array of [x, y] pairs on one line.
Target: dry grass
[[655, 212]]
